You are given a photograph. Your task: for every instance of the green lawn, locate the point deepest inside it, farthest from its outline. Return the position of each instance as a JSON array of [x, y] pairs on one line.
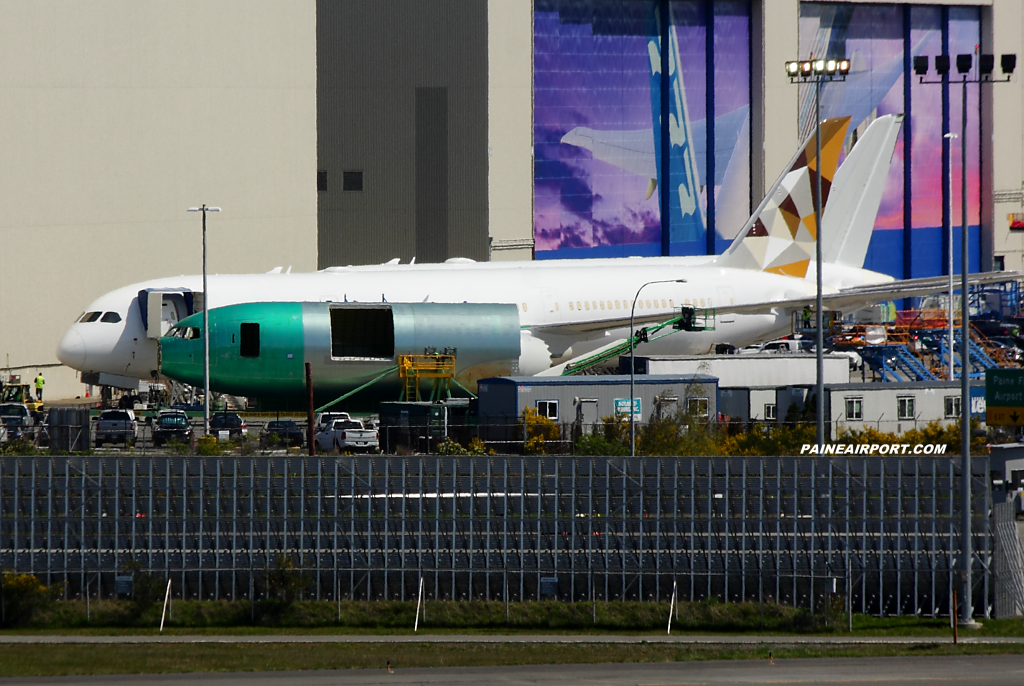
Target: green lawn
[[478, 617]]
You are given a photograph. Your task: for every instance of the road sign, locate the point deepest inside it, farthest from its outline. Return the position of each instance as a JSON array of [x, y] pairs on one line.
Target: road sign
[[1004, 397], [622, 407]]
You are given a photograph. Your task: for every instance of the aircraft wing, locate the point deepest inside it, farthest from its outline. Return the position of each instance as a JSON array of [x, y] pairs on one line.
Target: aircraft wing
[[629, 150], [849, 299], [863, 296]]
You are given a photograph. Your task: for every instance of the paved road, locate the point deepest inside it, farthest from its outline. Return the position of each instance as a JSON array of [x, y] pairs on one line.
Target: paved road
[[837, 639], [993, 670]]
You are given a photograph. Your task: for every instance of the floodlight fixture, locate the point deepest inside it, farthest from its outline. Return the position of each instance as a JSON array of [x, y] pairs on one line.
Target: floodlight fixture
[[819, 66], [1008, 63], [805, 69], [986, 63], [921, 65], [792, 68], [831, 66], [963, 63], [942, 64], [844, 67]]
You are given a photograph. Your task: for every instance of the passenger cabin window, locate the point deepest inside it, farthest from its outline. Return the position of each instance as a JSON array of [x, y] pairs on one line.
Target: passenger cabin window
[[548, 408], [111, 318], [362, 332], [250, 344]]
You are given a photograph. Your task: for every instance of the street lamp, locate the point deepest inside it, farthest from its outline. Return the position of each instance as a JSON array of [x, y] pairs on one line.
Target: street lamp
[[632, 365], [818, 71], [949, 232], [986, 64], [206, 325]]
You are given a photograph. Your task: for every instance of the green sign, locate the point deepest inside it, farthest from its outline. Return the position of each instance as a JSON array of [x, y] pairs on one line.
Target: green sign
[[1004, 396], [622, 407]]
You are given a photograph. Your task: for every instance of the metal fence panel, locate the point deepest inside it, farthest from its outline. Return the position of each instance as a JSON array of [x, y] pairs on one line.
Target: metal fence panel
[[789, 529]]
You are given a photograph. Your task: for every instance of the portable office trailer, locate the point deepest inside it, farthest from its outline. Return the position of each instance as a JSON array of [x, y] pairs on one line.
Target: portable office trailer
[[760, 370], [899, 407], [584, 400], [760, 404]]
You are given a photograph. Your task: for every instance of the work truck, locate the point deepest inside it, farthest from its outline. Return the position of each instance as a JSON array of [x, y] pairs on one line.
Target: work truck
[[348, 435]]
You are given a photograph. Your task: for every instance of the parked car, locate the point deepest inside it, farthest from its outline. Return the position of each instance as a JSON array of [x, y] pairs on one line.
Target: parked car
[[171, 425], [324, 420], [782, 345], [281, 432], [348, 435], [116, 426], [17, 420], [230, 422]]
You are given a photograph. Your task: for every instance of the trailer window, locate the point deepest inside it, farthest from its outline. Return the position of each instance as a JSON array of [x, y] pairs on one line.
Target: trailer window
[[250, 346], [362, 332], [548, 408]]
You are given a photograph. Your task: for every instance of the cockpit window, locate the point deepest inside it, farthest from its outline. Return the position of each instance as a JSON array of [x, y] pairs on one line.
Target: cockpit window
[[188, 333], [89, 317], [111, 318]]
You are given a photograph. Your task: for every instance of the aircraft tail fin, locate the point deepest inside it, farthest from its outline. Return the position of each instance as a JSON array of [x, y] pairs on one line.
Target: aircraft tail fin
[[857, 193], [780, 236]]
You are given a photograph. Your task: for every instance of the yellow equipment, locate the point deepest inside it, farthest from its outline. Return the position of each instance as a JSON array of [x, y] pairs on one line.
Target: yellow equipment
[[17, 392], [412, 368]]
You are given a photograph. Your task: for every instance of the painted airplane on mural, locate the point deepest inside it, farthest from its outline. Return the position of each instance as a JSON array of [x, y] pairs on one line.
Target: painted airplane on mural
[[565, 309], [639, 151]]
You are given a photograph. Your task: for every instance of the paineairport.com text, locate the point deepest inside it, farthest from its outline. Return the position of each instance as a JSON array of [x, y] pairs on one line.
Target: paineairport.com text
[[874, 449]]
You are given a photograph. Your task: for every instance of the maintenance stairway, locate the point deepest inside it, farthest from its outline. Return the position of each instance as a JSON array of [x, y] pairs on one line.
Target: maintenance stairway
[[916, 348]]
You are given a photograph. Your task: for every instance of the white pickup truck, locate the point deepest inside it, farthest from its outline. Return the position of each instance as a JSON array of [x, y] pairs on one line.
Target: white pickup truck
[[348, 435]]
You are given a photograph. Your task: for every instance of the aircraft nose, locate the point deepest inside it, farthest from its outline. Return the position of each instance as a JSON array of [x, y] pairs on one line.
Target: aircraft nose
[[71, 350]]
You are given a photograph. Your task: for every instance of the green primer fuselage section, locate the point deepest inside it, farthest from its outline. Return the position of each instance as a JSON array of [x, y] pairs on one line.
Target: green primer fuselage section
[[277, 370]]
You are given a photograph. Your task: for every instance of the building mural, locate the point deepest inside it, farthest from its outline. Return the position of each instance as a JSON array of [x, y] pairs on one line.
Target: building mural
[[615, 116], [881, 41], [600, 120]]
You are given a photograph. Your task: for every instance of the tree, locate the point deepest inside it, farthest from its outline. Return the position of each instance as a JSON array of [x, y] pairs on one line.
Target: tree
[[284, 581]]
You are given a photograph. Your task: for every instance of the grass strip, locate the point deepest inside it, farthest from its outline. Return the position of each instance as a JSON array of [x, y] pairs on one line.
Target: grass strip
[[479, 617], [71, 660]]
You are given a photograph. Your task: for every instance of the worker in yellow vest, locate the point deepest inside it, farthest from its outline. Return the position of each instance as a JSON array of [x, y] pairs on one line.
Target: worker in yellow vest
[[40, 382]]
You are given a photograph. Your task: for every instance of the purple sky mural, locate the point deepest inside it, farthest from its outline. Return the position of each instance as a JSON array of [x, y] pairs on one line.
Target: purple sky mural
[[592, 68]]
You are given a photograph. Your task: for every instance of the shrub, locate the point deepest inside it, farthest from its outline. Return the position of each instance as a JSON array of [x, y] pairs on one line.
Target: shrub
[[24, 595]]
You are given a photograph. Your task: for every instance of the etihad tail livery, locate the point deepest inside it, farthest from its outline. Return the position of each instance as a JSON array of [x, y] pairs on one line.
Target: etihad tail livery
[[352, 321]]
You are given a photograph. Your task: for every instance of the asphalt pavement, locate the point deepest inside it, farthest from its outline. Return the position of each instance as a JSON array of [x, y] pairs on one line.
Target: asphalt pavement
[[989, 670]]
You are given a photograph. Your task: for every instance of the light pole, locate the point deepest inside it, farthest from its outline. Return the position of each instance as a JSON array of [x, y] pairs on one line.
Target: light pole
[[818, 71], [632, 365], [986, 64], [949, 230], [206, 325]]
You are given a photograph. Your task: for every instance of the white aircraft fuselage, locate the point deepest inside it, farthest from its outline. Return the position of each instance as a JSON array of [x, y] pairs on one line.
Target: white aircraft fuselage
[[551, 296]]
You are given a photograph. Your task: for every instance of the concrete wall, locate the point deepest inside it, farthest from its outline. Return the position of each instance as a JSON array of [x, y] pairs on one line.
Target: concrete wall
[[1003, 32], [402, 98], [510, 128], [117, 116]]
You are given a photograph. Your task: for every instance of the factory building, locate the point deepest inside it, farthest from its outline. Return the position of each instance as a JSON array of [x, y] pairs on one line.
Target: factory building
[[349, 131]]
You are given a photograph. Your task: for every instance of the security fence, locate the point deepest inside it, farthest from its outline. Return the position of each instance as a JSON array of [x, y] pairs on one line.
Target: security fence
[[883, 533]]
